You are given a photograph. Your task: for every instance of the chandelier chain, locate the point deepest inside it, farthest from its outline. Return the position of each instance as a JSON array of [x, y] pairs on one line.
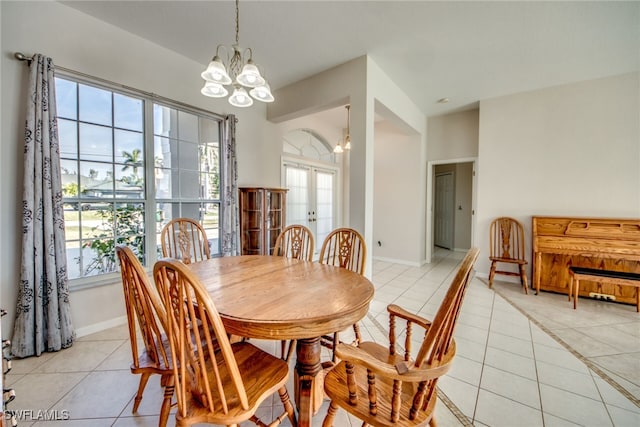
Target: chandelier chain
[[237, 22]]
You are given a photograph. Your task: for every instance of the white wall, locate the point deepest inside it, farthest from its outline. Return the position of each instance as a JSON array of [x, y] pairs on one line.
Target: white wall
[[361, 83], [571, 150], [453, 136], [453, 139], [396, 204], [82, 43]]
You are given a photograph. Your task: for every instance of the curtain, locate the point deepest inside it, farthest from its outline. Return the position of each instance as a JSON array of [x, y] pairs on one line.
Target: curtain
[[43, 315], [230, 225]]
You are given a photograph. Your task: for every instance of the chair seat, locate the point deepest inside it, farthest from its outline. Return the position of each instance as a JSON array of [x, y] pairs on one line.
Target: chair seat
[[509, 260], [394, 385], [250, 359], [147, 363], [335, 389]]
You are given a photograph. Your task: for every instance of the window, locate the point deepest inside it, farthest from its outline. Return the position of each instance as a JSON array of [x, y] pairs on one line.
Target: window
[[129, 165]]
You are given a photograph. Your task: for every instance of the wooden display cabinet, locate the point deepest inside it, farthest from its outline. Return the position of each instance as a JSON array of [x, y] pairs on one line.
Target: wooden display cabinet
[[262, 218]]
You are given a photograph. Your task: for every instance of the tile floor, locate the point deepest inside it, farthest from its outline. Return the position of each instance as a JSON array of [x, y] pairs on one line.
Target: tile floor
[[522, 360]]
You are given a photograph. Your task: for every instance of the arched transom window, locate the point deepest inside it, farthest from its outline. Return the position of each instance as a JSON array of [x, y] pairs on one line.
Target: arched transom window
[[307, 143]]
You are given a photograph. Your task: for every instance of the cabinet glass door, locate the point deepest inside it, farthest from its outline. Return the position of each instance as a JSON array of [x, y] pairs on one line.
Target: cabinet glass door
[[252, 222]]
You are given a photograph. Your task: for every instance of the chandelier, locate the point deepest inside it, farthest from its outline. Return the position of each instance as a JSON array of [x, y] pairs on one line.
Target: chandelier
[[242, 73], [347, 139]]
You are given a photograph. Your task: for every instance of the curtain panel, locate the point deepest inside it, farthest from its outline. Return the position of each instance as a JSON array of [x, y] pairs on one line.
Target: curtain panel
[[230, 224], [43, 314]]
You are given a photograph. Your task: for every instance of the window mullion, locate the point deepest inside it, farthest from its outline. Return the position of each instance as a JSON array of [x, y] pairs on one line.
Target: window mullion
[[150, 191]]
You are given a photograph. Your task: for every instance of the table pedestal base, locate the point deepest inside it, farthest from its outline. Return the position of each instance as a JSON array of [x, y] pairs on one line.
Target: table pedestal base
[[309, 379]]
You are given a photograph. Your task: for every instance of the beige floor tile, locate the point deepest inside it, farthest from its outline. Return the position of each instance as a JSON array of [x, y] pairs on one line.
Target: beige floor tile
[[29, 364], [520, 346], [102, 394], [553, 421], [511, 386], [462, 394], [470, 349], [121, 358], [466, 370], [519, 365], [567, 379], [620, 340], [142, 421], [87, 422], [82, 356], [574, 408], [612, 396], [494, 410], [623, 418], [40, 392], [624, 365], [120, 332], [560, 357]]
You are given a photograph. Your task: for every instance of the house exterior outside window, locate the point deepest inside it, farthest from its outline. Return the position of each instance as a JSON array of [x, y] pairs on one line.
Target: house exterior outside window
[[130, 163]]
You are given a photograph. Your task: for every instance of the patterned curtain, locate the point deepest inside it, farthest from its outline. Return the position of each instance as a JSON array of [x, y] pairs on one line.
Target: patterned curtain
[[43, 315], [230, 225]]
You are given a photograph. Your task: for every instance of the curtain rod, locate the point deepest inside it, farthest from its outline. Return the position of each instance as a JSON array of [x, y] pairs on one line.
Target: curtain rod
[[22, 57]]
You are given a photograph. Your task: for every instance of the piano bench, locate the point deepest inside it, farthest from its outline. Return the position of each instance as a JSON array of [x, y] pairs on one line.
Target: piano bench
[[602, 276]]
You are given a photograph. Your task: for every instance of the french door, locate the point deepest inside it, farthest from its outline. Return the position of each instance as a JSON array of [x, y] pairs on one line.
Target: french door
[[311, 199]]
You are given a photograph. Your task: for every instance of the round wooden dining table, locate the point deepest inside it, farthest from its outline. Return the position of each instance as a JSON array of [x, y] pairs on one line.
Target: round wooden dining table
[[270, 297]]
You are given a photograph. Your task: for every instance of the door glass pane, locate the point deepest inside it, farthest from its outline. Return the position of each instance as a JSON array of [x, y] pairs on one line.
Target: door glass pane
[[298, 195], [324, 204]]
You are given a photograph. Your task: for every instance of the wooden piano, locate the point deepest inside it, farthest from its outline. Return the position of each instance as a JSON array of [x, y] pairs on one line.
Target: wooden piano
[[603, 243]]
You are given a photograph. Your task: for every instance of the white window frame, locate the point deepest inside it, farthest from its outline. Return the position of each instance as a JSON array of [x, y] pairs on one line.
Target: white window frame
[[149, 200]]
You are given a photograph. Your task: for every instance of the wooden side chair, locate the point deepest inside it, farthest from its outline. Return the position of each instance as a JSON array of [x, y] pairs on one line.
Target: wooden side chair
[[506, 245], [146, 318], [295, 241], [185, 239], [218, 383], [386, 386], [345, 248]]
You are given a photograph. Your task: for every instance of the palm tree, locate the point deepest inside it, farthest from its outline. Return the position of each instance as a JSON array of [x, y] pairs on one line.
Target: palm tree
[[134, 161]]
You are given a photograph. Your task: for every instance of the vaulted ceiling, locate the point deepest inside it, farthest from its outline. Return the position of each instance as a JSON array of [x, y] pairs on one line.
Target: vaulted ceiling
[[464, 51]]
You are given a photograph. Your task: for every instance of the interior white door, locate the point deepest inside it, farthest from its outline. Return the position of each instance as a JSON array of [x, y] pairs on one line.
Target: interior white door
[[311, 199], [444, 210]]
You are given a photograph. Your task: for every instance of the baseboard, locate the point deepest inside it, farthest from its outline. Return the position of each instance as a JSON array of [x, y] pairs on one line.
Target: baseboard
[[101, 326]]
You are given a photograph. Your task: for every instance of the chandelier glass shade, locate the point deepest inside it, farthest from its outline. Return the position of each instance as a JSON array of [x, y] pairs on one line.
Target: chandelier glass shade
[[339, 148], [237, 70]]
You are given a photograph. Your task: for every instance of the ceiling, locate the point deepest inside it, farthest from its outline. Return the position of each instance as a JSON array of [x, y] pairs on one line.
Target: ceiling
[[464, 51]]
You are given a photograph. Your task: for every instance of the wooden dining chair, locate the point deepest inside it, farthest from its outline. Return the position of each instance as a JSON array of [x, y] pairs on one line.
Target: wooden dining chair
[[219, 383], [146, 318], [390, 386], [295, 241], [506, 245], [185, 239], [345, 248]]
